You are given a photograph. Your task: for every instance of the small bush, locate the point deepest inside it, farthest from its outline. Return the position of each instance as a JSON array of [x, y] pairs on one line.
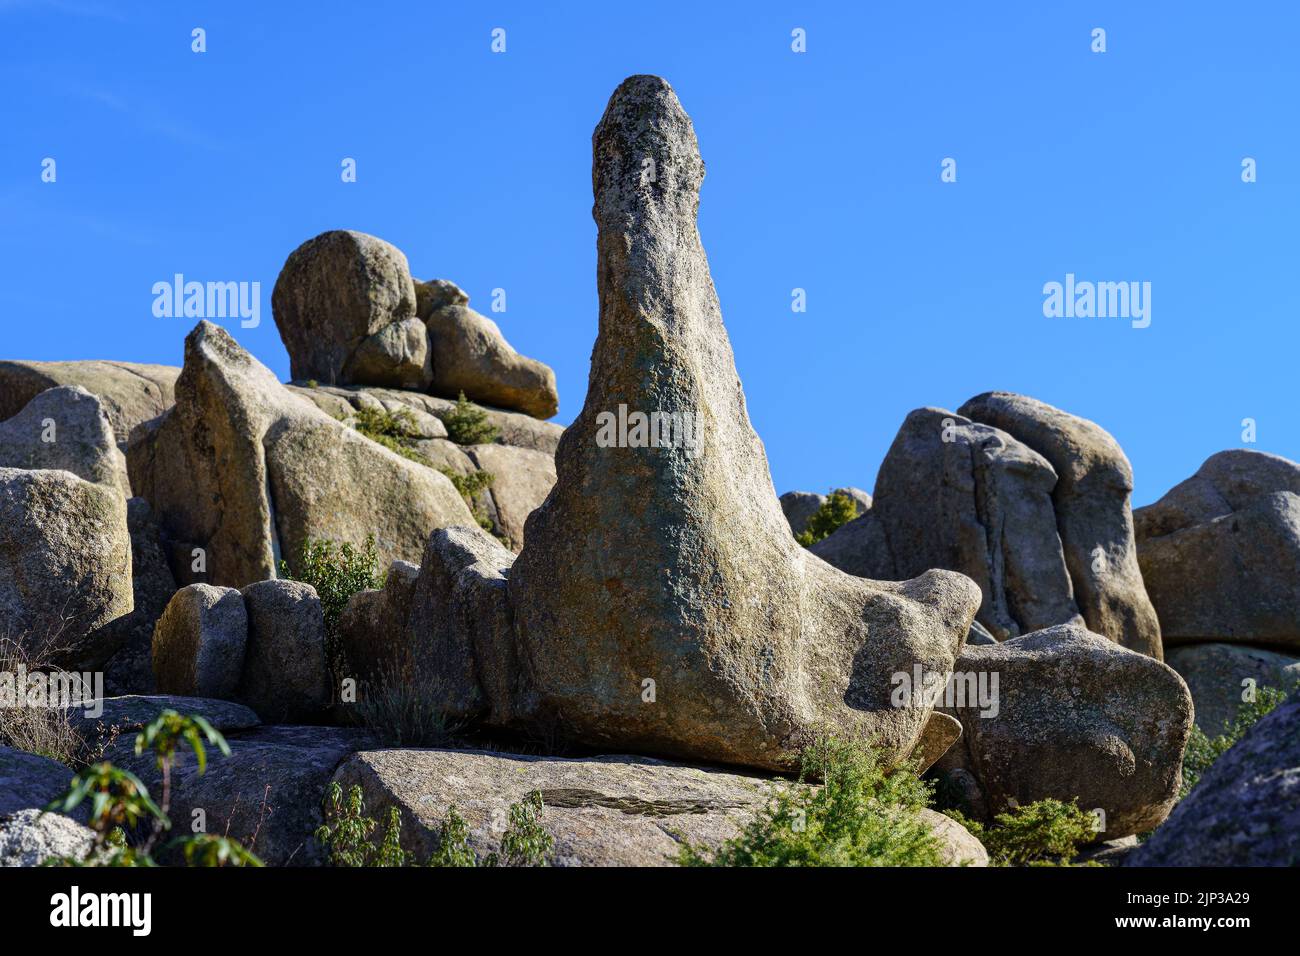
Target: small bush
[[347, 831], [453, 843], [862, 814], [1203, 750], [1044, 833], [470, 487], [119, 801], [838, 509], [525, 842], [336, 571], [467, 424]]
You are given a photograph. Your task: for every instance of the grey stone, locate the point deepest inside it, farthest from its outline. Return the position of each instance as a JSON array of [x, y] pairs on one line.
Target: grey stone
[[30, 837], [1218, 675], [199, 642], [286, 676], [65, 428], [471, 355], [130, 670]]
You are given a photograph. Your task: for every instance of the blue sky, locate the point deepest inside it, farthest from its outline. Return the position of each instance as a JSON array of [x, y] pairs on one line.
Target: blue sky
[[823, 174]]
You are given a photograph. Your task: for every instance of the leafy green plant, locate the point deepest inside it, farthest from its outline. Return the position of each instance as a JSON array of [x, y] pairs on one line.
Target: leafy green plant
[[838, 509], [467, 424], [470, 487], [119, 801], [336, 571], [347, 831], [348, 835], [1203, 750], [862, 814], [1043, 833]]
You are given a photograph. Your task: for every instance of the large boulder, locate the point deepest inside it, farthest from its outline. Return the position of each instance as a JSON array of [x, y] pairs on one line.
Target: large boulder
[[124, 716], [65, 566], [286, 676], [199, 642], [956, 494], [130, 670], [244, 470], [1222, 676], [30, 837], [1245, 811], [858, 548], [471, 355], [600, 811], [1226, 482], [131, 393], [1094, 483], [660, 601], [522, 478], [396, 355], [334, 292], [1072, 716], [1220, 552], [65, 428]]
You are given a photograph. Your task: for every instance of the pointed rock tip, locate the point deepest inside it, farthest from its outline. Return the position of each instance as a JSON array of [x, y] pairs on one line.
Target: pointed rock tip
[[644, 148]]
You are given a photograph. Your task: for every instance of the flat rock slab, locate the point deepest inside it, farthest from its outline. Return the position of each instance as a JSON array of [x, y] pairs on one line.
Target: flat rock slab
[[131, 713], [601, 811], [29, 838]]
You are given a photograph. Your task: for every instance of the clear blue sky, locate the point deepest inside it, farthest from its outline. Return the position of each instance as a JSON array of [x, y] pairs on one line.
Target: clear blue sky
[[823, 173]]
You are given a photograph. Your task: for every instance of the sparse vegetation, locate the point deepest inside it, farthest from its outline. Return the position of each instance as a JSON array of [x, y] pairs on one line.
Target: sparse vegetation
[[471, 486], [838, 509], [1203, 750], [349, 835], [399, 707], [467, 424], [1043, 833], [862, 814], [119, 801], [37, 729], [394, 430]]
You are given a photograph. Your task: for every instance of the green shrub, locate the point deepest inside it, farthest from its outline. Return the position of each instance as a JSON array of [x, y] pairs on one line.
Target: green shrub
[[862, 814], [470, 487], [347, 831], [1203, 750], [348, 836], [467, 424], [1044, 833], [119, 800], [838, 509], [336, 571]]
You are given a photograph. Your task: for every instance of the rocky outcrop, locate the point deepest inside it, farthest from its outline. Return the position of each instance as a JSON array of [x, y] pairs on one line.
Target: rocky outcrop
[[335, 292], [1221, 551], [285, 675], [65, 428], [799, 506], [65, 566], [30, 837], [244, 471], [1221, 676], [199, 642], [1093, 517], [660, 601], [858, 548], [130, 393], [1245, 810], [130, 713], [522, 478], [1072, 716], [130, 669], [600, 811]]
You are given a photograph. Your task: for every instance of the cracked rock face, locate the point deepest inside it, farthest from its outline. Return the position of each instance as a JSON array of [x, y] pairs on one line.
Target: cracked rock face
[[956, 494], [660, 601], [1093, 513]]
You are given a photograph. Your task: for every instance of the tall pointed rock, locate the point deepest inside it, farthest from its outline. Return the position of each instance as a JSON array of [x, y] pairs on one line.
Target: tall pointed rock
[[660, 601]]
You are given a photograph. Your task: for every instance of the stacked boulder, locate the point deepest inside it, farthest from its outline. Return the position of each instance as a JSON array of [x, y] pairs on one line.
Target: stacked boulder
[[1220, 554], [349, 313], [1030, 502]]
